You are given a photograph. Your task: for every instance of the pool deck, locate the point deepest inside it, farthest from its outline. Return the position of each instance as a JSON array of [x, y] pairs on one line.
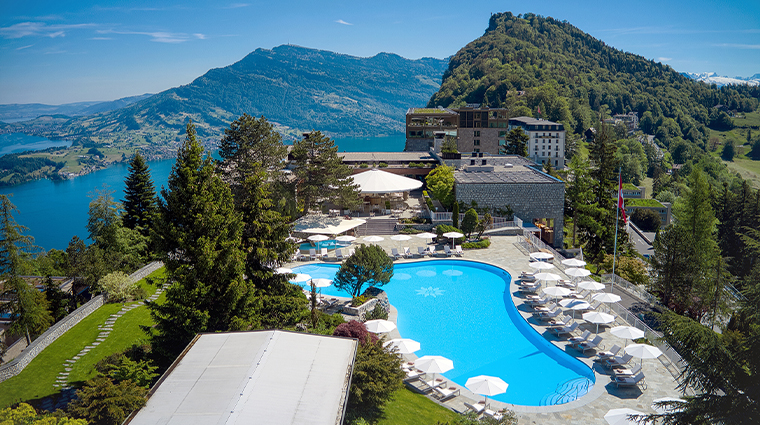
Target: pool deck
[[590, 408]]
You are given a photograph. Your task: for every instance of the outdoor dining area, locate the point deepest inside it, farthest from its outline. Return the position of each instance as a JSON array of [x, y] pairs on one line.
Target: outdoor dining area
[[381, 193]]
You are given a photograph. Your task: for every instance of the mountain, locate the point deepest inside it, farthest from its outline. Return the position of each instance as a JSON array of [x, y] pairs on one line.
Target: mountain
[[27, 111], [713, 78], [297, 88], [528, 61]]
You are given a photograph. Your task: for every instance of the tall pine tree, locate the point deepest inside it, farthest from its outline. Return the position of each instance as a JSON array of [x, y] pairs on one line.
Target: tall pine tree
[[200, 232], [139, 196], [29, 312]]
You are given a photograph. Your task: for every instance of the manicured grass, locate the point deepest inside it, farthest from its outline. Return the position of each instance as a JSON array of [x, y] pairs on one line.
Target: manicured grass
[[637, 202], [37, 379], [747, 168], [407, 407], [648, 183]]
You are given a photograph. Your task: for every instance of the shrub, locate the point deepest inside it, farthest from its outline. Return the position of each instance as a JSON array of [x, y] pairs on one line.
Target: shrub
[[357, 301], [382, 165], [376, 378], [410, 231], [377, 313], [355, 329], [139, 293], [485, 243], [117, 285], [363, 165], [445, 228], [101, 401]]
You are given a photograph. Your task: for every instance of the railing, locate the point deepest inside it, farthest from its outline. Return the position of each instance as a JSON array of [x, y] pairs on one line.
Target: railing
[[533, 244], [497, 220], [635, 290]]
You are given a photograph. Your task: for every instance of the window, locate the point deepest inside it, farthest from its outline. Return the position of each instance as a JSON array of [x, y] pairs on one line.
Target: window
[[477, 133], [502, 133], [477, 142], [555, 162], [477, 150]]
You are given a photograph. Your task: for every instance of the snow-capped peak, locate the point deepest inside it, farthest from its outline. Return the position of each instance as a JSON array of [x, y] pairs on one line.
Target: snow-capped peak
[[714, 78]]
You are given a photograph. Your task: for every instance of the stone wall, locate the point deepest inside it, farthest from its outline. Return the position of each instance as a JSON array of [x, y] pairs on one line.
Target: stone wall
[[417, 145], [528, 200], [18, 364], [361, 311]]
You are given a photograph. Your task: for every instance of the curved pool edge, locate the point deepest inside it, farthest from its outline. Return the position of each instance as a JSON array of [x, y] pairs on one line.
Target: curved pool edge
[[593, 394]]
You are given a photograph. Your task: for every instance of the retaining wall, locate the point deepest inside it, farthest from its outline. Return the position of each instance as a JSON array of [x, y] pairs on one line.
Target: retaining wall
[[15, 366]]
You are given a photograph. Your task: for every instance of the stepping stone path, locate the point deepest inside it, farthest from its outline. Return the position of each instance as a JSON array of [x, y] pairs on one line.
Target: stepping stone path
[[68, 393]]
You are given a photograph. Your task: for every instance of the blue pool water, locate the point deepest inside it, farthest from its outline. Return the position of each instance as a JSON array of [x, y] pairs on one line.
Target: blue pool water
[[329, 244], [463, 310]]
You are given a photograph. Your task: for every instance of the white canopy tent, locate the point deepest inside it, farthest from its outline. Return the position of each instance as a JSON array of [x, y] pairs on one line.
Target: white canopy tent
[[378, 181]]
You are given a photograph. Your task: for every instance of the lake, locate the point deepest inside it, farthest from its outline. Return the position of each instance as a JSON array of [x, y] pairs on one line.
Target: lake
[[17, 142], [54, 212]]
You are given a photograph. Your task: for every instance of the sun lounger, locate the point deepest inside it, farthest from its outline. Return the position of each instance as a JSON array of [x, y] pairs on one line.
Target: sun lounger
[[545, 316], [323, 253], [413, 375], [632, 381], [565, 330], [524, 273], [625, 372], [566, 283], [544, 308], [577, 295], [560, 323], [617, 360], [447, 250], [421, 251], [444, 393], [527, 278], [395, 254], [578, 339], [536, 300], [602, 355], [432, 384], [588, 345], [431, 251], [297, 256], [495, 415], [458, 251], [478, 407], [313, 254], [407, 253], [339, 254]]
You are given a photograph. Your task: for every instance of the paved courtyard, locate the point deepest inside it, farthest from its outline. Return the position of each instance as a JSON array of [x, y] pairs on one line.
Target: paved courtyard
[[590, 408]]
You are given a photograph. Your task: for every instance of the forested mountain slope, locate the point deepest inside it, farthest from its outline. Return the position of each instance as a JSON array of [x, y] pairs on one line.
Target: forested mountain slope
[[573, 76]]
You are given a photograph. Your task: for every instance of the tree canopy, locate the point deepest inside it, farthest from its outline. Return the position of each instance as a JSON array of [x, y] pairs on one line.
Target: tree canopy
[[369, 264], [139, 196]]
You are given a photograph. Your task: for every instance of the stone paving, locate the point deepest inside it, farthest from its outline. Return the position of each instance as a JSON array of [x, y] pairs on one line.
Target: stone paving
[[588, 409], [62, 382]]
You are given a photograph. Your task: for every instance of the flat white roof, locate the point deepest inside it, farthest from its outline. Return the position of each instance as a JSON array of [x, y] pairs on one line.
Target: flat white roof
[[261, 377], [317, 223]]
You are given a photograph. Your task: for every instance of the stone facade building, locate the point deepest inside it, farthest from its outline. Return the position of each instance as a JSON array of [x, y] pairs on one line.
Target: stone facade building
[[534, 196], [546, 141]]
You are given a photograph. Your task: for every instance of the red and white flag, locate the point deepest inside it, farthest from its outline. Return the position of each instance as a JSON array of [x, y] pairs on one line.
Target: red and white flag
[[621, 202]]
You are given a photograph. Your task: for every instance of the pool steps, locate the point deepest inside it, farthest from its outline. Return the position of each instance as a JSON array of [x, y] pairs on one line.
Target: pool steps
[[567, 391]]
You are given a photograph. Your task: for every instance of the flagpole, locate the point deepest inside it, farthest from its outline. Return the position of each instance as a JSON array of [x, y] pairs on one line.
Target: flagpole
[[617, 219]]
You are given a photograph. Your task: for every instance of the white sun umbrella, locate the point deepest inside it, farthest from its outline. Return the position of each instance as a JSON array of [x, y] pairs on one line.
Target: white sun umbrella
[[452, 236], [540, 265], [621, 416], [541, 256], [318, 239], [300, 277], [322, 283], [434, 364], [606, 297], [627, 332], [575, 305], [283, 270], [556, 291], [486, 385], [403, 345], [598, 318], [426, 235], [674, 406], [378, 181], [643, 351], [374, 239], [379, 326], [577, 272], [400, 237], [591, 285], [573, 262], [345, 238], [548, 276]]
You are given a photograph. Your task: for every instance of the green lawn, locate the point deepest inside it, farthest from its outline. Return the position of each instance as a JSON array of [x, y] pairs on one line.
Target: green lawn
[[747, 168], [37, 379], [648, 183], [408, 407]]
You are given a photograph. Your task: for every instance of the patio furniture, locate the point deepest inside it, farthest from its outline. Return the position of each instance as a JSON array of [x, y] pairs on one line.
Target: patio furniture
[[407, 253], [632, 381], [323, 253], [617, 361], [626, 372], [602, 355], [536, 300], [559, 323], [447, 250], [313, 254], [478, 407], [339, 254], [432, 384], [444, 394], [565, 329], [544, 308], [421, 251], [297, 256], [431, 251], [458, 251], [546, 316], [395, 254], [584, 346]]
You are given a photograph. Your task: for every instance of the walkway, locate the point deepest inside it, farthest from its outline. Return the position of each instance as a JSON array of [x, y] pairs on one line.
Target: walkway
[[589, 409], [62, 382]]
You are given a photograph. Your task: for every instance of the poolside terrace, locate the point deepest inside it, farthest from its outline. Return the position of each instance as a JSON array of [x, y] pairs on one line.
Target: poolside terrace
[[506, 252]]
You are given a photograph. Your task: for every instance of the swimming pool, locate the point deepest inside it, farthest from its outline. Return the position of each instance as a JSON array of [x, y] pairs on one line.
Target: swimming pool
[[330, 244], [463, 310]]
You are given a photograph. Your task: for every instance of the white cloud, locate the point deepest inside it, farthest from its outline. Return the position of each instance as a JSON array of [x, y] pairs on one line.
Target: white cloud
[[39, 29], [200, 36], [159, 36], [24, 47], [739, 46], [342, 22], [664, 59]]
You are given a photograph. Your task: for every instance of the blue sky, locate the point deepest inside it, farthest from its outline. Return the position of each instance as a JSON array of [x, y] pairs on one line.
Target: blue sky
[[68, 51]]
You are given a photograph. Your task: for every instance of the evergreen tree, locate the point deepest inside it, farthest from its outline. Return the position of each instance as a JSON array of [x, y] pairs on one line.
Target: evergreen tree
[[103, 217], [729, 151], [200, 233], [455, 215], [369, 264], [251, 141], [440, 183], [29, 314], [139, 196], [516, 142], [321, 174]]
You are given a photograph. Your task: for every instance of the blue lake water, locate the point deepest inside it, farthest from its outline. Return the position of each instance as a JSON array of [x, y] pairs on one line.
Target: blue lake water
[[54, 212], [463, 310], [17, 142]]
